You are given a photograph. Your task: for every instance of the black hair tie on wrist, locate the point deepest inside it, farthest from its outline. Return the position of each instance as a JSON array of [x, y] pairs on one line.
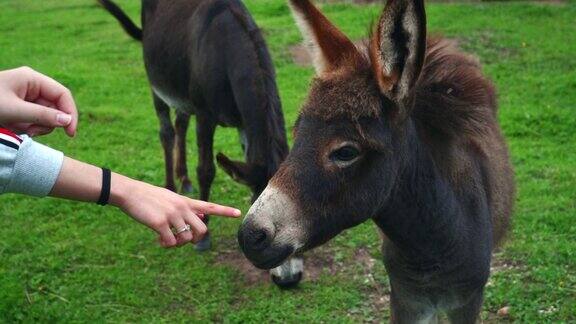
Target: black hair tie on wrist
[[105, 193]]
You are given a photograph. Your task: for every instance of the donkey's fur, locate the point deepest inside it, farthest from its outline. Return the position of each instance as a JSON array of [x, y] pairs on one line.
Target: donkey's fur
[[407, 135]]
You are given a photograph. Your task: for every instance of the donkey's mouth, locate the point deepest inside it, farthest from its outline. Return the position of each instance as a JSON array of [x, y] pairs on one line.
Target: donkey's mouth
[[271, 258]]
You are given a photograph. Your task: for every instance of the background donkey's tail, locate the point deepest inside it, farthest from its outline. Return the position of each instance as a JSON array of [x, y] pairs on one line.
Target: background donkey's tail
[[128, 25]]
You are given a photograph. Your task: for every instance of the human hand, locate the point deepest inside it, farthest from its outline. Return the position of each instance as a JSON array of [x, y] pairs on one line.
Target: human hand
[[33, 103], [165, 211]]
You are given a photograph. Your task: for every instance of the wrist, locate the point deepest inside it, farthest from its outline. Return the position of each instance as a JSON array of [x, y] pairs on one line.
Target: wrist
[[120, 188]]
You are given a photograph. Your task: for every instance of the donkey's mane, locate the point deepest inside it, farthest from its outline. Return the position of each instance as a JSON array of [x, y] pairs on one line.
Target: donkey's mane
[[268, 97], [453, 98]]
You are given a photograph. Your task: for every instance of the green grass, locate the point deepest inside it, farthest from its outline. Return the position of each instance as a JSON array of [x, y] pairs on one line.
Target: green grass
[[70, 262]]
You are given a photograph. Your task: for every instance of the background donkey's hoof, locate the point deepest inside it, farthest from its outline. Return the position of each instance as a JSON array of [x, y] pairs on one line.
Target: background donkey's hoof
[[288, 274], [204, 245]]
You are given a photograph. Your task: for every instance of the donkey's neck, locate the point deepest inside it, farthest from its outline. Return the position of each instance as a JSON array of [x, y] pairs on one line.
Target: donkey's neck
[[428, 223], [265, 140], [263, 126]]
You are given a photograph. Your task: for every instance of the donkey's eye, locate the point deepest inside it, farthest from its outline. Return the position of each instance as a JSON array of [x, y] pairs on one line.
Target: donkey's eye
[[345, 154]]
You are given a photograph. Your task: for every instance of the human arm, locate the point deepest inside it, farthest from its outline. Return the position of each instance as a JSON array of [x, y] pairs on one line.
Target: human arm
[[158, 208], [37, 170]]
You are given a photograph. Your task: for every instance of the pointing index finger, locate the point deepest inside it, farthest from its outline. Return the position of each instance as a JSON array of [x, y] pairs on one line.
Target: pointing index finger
[[203, 207]]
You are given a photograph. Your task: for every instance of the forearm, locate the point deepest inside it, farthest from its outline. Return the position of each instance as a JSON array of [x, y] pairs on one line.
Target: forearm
[[31, 168], [83, 182]]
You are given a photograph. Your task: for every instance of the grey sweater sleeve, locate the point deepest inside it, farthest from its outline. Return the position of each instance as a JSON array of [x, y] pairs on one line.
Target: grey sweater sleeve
[[28, 167]]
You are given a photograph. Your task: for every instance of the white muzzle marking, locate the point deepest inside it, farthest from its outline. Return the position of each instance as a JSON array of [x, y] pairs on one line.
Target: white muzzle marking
[[275, 208]]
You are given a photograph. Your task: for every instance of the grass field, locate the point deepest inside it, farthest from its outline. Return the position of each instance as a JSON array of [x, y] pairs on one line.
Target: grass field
[[69, 262]]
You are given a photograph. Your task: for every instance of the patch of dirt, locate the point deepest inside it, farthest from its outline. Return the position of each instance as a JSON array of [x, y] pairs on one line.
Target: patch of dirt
[[486, 45], [500, 264], [320, 261], [496, 317], [317, 262], [249, 274], [360, 266], [300, 55]]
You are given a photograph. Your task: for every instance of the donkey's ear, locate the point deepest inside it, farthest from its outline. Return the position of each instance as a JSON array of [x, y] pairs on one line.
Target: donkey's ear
[[329, 47], [239, 171], [398, 47]]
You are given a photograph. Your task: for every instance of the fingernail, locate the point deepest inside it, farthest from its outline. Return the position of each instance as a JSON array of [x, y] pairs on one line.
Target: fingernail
[[237, 212], [63, 119]]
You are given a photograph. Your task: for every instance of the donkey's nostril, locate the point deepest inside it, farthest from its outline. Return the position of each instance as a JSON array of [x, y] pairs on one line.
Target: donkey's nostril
[[257, 239]]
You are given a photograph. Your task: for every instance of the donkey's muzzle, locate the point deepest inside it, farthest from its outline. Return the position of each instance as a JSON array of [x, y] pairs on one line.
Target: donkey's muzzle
[[257, 245], [270, 231]]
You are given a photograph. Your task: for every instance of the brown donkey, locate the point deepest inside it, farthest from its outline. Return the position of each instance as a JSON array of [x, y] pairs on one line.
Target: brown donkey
[[407, 135], [208, 58]]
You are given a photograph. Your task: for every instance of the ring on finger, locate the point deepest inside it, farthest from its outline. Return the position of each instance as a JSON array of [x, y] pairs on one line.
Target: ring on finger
[[181, 230]]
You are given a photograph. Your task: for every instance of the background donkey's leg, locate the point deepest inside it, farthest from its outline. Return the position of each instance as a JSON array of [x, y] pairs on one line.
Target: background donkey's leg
[[167, 140], [468, 313], [205, 128], [289, 273], [182, 123]]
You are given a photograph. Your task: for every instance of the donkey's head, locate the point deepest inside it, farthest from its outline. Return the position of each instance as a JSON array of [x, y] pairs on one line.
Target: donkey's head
[[350, 137]]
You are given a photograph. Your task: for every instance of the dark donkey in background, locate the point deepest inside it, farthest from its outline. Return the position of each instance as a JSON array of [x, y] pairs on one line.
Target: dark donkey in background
[[208, 58], [406, 135]]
